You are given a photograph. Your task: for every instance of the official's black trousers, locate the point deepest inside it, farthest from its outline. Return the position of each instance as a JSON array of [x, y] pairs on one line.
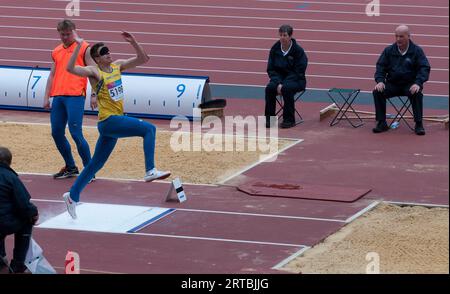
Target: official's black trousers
[[392, 90], [22, 237], [288, 91]]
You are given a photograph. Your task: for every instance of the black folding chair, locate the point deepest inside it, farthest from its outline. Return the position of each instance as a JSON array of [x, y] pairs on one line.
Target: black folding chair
[[347, 96], [280, 102], [402, 109]]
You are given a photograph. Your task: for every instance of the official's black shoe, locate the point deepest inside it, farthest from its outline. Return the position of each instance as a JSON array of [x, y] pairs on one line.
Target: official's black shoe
[[287, 124], [66, 172], [419, 130], [4, 265], [381, 127], [17, 267]]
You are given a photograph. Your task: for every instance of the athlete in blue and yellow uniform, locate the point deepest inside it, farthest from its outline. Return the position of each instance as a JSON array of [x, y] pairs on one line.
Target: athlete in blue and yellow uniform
[[113, 124]]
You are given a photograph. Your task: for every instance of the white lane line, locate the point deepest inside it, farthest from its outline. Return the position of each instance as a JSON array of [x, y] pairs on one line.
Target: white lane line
[[196, 238], [232, 36], [211, 47], [411, 25], [362, 211], [236, 48], [264, 73], [214, 58], [264, 215], [263, 159], [290, 258], [221, 240], [249, 8], [355, 4], [202, 15], [230, 213], [417, 204]]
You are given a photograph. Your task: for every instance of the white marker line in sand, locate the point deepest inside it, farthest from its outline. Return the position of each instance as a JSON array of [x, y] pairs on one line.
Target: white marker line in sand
[[290, 258]]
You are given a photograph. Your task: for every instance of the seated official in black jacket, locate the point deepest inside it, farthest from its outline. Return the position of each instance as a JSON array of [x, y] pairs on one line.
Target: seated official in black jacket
[[17, 215], [286, 69], [402, 69]]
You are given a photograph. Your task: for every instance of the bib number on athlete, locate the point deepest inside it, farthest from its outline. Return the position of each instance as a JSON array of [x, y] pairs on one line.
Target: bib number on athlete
[[116, 92]]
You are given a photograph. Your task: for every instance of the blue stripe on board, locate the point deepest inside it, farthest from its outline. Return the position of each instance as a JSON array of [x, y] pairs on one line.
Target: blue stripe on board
[[152, 220]]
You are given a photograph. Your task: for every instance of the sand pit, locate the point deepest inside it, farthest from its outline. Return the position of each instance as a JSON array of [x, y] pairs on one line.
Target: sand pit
[[34, 152], [408, 240]]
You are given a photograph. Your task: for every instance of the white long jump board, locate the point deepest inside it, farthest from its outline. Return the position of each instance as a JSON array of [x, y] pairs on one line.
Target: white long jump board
[[146, 95], [107, 218]]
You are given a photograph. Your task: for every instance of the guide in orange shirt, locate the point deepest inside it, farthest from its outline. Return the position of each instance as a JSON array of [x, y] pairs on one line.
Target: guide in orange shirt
[[69, 94]]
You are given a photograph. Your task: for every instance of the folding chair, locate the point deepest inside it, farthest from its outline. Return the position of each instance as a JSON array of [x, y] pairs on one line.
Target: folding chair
[[343, 100], [404, 108], [280, 102]]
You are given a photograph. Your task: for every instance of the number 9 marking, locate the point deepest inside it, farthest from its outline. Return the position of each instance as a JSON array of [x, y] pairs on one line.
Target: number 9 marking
[[180, 89]]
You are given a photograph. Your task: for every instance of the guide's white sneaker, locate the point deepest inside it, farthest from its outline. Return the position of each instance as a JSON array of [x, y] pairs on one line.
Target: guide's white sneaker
[[71, 205], [155, 174]]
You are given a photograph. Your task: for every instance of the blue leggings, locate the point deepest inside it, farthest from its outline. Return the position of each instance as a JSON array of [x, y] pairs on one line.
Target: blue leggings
[[114, 127], [69, 110]]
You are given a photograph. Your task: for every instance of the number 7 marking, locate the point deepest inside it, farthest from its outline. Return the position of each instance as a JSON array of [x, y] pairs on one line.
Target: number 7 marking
[[37, 80]]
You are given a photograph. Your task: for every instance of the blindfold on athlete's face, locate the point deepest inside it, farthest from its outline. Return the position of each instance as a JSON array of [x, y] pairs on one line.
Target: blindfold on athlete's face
[[103, 51]]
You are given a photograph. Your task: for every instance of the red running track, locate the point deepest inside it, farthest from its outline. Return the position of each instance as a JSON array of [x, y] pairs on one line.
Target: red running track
[[221, 230], [231, 46], [230, 41], [218, 230]]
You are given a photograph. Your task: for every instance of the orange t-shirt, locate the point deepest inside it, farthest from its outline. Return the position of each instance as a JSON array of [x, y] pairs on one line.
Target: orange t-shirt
[[65, 83]]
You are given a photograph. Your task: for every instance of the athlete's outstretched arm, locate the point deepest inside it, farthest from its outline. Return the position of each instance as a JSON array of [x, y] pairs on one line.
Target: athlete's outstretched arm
[[82, 71], [140, 58]]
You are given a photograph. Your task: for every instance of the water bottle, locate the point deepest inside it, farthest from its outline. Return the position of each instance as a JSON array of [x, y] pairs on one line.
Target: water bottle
[[395, 124], [390, 115]]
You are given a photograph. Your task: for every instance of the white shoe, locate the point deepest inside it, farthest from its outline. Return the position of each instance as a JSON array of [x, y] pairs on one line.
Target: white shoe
[[71, 205], [155, 174]]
